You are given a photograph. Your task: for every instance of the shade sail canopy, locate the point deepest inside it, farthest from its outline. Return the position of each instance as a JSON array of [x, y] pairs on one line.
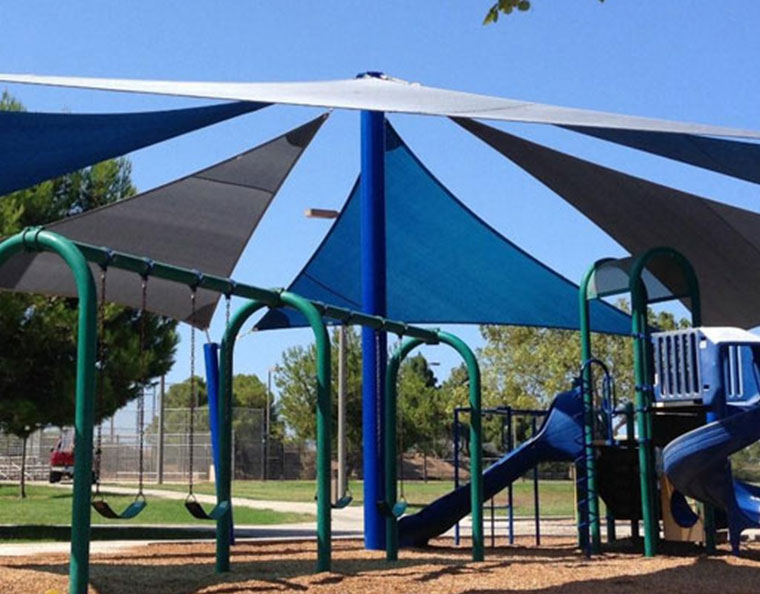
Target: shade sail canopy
[[722, 242], [202, 221], [382, 93], [663, 281], [444, 264], [35, 147], [730, 157]]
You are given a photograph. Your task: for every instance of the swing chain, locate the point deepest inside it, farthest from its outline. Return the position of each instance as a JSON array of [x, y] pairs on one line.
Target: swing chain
[[101, 375], [228, 303], [144, 363], [193, 394]]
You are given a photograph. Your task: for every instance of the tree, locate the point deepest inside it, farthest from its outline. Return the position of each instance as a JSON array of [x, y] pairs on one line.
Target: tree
[[38, 350], [178, 395], [423, 408], [507, 7], [297, 389]]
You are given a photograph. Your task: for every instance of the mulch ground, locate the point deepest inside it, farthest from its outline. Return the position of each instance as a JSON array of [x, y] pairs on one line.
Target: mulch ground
[[259, 567]]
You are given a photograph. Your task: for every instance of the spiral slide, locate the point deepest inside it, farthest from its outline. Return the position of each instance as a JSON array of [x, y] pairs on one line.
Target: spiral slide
[[560, 438], [698, 466]]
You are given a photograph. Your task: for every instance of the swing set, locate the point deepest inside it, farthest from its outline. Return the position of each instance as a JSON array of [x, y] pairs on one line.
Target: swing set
[[77, 255], [99, 503]]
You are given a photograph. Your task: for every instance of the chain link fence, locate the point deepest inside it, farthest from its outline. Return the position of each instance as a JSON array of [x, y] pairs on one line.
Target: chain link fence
[[166, 454]]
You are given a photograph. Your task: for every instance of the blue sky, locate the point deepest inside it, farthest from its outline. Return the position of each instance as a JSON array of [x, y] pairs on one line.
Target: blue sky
[[685, 60]]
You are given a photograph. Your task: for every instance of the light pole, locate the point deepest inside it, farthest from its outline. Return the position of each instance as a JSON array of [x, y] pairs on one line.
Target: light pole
[[160, 465], [267, 417], [342, 482]]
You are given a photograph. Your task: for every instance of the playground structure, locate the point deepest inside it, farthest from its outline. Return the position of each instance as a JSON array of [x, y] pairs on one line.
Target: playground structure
[[711, 372], [570, 430], [692, 388], [684, 378]]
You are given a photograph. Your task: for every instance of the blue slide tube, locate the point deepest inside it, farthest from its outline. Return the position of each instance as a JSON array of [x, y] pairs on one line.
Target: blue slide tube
[[211, 358]]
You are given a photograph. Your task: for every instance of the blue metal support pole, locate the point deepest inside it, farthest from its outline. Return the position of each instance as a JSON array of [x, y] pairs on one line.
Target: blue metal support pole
[[374, 344], [211, 358]]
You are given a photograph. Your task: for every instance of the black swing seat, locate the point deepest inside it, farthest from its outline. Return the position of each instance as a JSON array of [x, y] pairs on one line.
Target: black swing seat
[[396, 510], [196, 509], [132, 510], [344, 501]]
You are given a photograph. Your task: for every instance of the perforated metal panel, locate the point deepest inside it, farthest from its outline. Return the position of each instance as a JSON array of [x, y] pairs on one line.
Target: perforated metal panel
[[677, 365]]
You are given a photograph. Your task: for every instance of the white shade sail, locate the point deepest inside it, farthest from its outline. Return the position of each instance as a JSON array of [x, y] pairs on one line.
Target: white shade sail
[[383, 93]]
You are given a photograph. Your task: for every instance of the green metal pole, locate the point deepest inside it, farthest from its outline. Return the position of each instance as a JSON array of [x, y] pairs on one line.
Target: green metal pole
[[644, 380], [592, 495], [324, 417], [476, 442], [224, 474], [630, 432], [646, 469], [390, 451], [39, 240]]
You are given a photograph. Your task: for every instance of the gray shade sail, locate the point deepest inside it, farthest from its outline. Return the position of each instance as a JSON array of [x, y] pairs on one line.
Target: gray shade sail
[[383, 93], [202, 221], [721, 241]]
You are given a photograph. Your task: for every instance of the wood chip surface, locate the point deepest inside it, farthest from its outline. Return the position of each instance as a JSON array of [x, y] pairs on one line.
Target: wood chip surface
[[555, 567]]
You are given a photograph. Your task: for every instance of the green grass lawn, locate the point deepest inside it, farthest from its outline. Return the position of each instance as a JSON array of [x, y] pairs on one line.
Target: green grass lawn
[[50, 505], [556, 497]]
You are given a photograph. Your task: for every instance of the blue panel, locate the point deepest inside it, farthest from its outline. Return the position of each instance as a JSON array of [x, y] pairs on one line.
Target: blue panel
[[730, 157], [444, 264], [35, 147]]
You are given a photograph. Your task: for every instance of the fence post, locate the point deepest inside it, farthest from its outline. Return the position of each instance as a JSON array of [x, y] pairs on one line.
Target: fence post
[[160, 462]]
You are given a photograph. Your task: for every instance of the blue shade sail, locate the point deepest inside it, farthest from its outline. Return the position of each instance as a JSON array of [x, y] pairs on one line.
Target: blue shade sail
[[729, 157], [445, 265], [35, 147]]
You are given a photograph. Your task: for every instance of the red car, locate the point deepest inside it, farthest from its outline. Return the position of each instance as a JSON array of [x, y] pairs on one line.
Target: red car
[[62, 458]]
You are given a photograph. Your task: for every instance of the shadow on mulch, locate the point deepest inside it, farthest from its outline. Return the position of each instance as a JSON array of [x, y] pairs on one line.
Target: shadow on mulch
[[705, 575], [174, 572]]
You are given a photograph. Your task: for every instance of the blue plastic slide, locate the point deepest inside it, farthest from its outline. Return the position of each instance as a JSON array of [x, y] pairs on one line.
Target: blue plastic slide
[[698, 466], [560, 438]]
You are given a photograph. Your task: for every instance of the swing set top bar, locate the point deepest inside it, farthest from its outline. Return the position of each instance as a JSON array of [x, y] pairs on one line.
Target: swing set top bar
[[142, 266]]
